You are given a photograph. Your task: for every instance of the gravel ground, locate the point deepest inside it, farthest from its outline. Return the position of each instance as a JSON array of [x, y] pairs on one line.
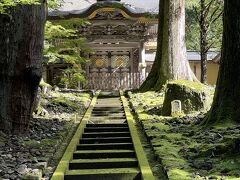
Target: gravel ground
[[31, 152], [34, 153]]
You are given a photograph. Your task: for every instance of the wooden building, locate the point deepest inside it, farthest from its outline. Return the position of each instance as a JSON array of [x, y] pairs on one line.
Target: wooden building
[[117, 33], [123, 37]]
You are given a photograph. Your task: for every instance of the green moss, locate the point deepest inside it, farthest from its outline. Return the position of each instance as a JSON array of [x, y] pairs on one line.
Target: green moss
[[48, 142], [231, 178], [228, 164], [44, 84], [179, 174], [142, 159], [193, 96], [70, 99], [160, 126], [175, 144], [165, 147], [175, 115], [223, 125], [65, 102], [32, 176], [144, 116], [32, 143], [178, 145], [146, 104], [190, 84]]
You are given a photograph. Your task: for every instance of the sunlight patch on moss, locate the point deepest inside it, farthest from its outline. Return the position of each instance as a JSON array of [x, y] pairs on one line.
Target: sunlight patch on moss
[[190, 84], [179, 174]]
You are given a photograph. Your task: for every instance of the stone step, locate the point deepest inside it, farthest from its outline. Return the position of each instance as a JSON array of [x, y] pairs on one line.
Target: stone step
[[117, 109], [98, 113], [107, 121], [106, 129], [122, 115], [99, 154], [108, 97], [106, 140], [107, 111], [105, 118], [108, 146], [107, 101], [104, 113], [106, 134], [108, 117], [105, 108], [104, 174], [108, 105], [107, 125], [103, 163]]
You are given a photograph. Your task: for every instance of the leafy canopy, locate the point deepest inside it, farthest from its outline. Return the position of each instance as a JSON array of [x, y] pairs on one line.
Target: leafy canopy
[[212, 13], [63, 45], [6, 4]]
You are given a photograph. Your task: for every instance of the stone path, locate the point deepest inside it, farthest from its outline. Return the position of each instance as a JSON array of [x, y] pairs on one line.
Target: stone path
[[105, 150]]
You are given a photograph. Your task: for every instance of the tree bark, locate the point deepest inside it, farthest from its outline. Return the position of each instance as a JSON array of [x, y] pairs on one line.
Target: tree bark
[[225, 107], [152, 78], [203, 41], [21, 45], [171, 61]]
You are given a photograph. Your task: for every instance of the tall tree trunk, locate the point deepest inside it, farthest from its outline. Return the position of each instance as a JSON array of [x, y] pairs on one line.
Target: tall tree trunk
[[203, 42], [225, 107], [21, 45], [152, 78], [170, 62]]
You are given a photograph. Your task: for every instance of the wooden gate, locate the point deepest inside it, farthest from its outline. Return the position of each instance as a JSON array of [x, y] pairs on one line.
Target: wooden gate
[[113, 70], [116, 80]]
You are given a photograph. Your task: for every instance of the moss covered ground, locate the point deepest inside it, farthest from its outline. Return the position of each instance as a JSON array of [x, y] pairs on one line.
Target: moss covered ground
[[63, 105], [186, 150]]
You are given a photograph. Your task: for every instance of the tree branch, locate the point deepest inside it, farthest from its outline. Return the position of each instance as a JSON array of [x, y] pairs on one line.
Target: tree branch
[[207, 8], [213, 14], [217, 17], [197, 17], [209, 46]]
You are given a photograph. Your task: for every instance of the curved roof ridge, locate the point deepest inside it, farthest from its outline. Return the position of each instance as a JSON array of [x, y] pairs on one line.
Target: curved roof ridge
[[82, 13]]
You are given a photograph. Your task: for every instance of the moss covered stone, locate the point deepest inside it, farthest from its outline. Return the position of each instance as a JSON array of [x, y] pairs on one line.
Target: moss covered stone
[[193, 96]]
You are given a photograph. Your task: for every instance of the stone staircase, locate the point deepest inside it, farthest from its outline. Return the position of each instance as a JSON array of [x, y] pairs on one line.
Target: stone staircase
[[105, 150]]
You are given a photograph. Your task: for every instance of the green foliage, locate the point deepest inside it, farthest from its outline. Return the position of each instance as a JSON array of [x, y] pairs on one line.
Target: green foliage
[[62, 45], [57, 31], [213, 21], [6, 4], [72, 76], [192, 31], [55, 4], [72, 23]]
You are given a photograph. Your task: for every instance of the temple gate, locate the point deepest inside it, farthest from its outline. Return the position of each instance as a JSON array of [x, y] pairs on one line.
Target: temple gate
[[118, 33]]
